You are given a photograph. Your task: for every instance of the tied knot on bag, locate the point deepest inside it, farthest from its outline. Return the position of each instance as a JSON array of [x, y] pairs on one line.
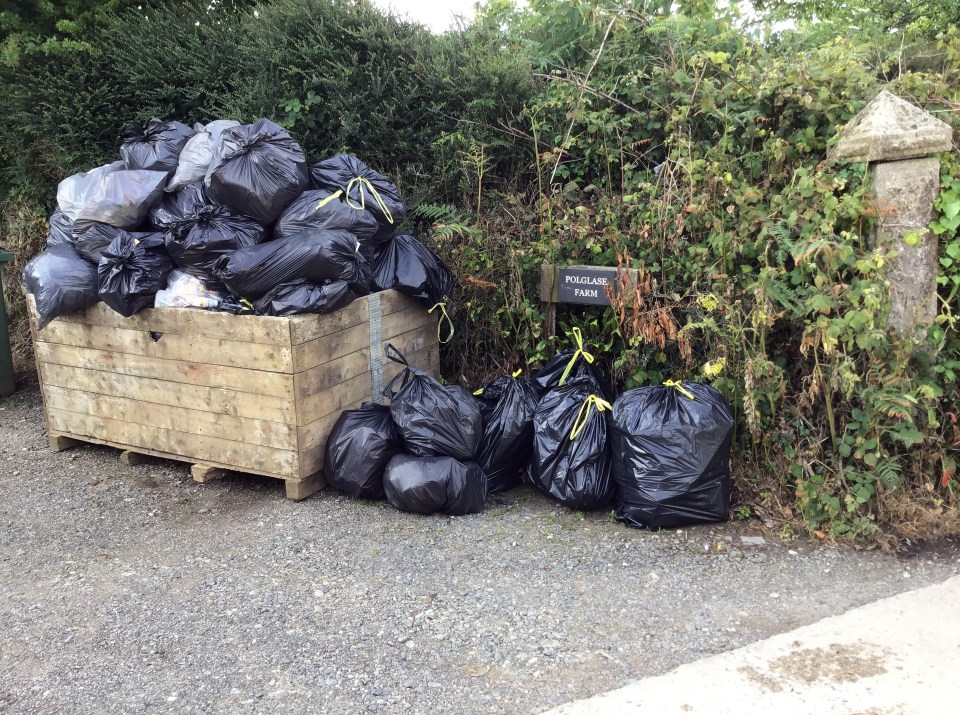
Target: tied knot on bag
[[594, 402], [517, 373], [443, 316], [332, 197], [365, 186], [578, 336], [680, 388]]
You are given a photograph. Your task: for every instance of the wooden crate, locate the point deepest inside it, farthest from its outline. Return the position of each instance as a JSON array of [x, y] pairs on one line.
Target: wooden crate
[[225, 392]]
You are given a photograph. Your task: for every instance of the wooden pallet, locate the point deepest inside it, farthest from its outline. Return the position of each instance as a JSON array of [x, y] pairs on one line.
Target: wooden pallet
[[248, 394]]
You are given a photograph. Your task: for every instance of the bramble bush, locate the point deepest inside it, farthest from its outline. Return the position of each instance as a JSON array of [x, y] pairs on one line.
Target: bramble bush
[[685, 144]]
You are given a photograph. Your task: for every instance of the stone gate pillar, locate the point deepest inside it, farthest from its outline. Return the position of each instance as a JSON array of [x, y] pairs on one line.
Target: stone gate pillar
[[899, 140]]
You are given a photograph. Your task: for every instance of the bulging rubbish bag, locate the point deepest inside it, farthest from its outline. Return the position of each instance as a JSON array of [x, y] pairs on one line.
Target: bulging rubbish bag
[[258, 170], [321, 210], [177, 206], [408, 266], [426, 485], [567, 365], [507, 405], [95, 238], [363, 187], [155, 147], [61, 282], [571, 460], [198, 241], [671, 455], [314, 256], [186, 291], [132, 271], [61, 229], [197, 153], [109, 194], [358, 449], [433, 419], [300, 296]]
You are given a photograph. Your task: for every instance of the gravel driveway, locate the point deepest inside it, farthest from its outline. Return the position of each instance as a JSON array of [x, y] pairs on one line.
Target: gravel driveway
[[133, 590]]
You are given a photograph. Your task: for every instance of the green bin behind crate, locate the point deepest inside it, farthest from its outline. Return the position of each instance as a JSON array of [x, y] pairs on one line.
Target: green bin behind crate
[[6, 357]]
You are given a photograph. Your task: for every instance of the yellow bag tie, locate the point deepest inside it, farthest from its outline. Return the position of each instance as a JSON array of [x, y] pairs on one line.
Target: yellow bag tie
[[478, 392], [679, 385], [593, 401], [443, 310], [517, 373], [365, 184], [331, 197], [578, 336]]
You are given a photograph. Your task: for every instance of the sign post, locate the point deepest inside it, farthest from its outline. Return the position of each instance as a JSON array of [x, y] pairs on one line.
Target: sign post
[[583, 285]]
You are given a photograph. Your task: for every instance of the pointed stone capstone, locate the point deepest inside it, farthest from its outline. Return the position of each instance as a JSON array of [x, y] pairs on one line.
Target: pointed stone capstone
[[890, 128]]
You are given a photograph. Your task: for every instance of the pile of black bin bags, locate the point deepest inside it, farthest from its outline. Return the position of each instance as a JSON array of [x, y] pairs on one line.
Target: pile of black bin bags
[[660, 454], [231, 217]]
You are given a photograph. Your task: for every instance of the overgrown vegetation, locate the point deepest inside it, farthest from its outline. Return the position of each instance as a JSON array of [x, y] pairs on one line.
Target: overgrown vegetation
[[691, 145]]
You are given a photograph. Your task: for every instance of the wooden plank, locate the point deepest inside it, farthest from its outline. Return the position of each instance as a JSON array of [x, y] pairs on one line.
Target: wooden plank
[[189, 447], [304, 328], [212, 351], [59, 442], [323, 350], [311, 386], [347, 396], [252, 431], [213, 400], [203, 473], [255, 382], [263, 330], [301, 489]]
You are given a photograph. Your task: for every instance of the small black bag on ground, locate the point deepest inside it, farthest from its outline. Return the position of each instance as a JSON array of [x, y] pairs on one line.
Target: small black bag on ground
[[323, 210], [314, 256], [426, 485], [358, 449], [507, 406], [567, 365], [95, 238], [408, 266], [176, 206], [571, 461], [155, 147], [433, 419], [363, 187], [61, 282], [258, 170], [199, 240], [300, 296], [671, 455], [132, 271], [60, 229]]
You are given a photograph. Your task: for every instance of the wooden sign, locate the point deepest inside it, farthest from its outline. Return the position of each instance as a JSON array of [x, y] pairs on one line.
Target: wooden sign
[[585, 285]]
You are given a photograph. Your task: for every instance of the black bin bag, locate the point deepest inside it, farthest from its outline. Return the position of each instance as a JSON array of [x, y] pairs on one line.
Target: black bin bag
[[93, 239], [322, 209], [427, 485], [571, 459], [155, 147], [671, 450], [61, 282], [569, 364], [61, 229], [196, 242], [257, 169], [433, 419], [300, 296], [507, 406], [314, 256], [132, 271], [363, 188], [177, 206], [411, 268], [358, 449]]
